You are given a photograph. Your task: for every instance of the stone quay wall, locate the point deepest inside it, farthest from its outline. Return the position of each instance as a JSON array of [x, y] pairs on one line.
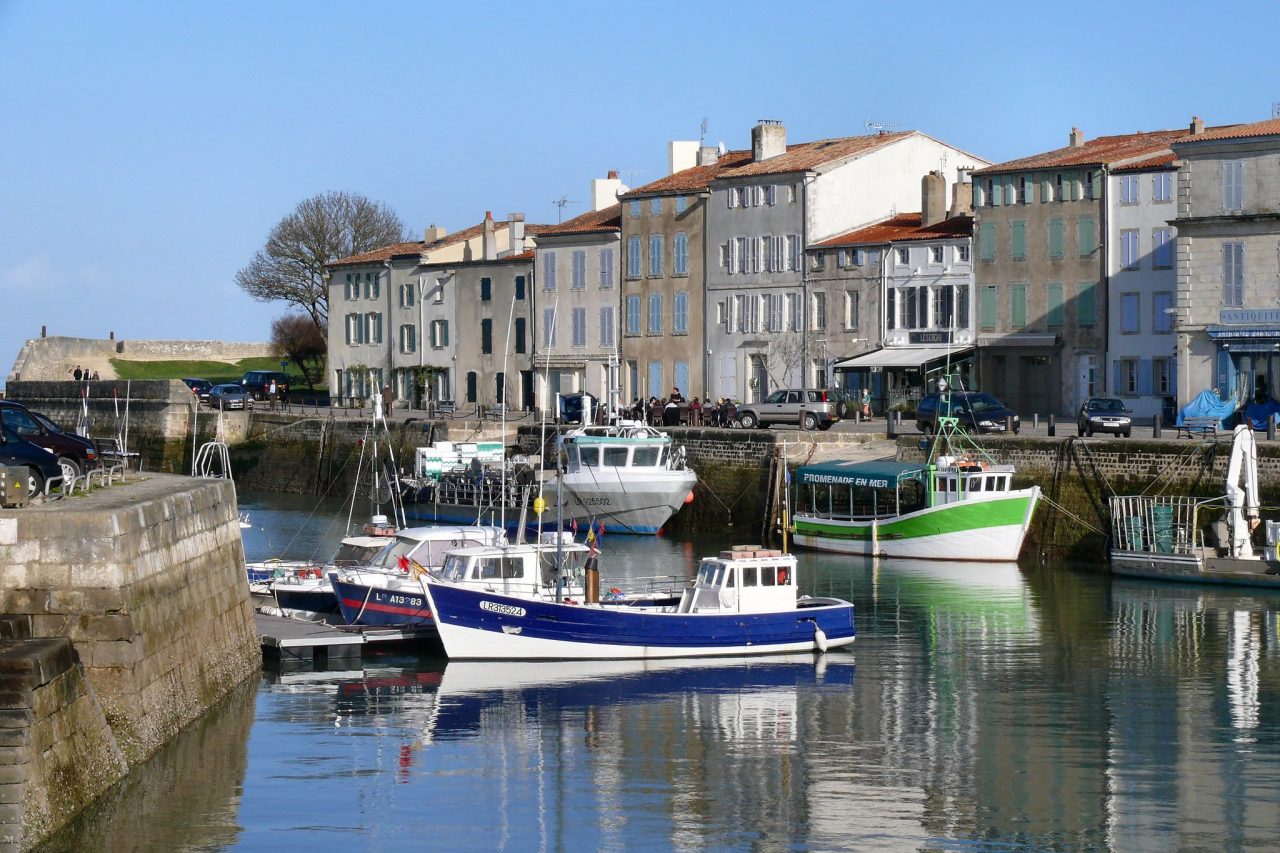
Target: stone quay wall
[[49, 358], [145, 581]]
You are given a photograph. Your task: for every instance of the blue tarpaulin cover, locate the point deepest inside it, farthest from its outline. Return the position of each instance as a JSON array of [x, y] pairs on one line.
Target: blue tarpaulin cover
[[1207, 404], [1259, 413]]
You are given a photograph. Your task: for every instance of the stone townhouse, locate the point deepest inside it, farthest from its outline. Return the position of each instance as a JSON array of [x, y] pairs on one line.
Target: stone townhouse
[[392, 312], [1042, 243], [905, 290], [764, 326], [1228, 262], [578, 300], [664, 279]]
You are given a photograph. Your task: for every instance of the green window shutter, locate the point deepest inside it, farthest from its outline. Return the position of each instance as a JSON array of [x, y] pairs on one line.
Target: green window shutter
[[1018, 236], [997, 192], [1098, 178], [471, 387], [988, 308], [1055, 304], [1086, 308], [1017, 305], [1085, 239], [1056, 229], [1046, 190], [987, 241]]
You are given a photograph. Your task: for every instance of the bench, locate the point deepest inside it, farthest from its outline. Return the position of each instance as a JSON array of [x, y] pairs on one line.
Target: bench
[[1201, 426]]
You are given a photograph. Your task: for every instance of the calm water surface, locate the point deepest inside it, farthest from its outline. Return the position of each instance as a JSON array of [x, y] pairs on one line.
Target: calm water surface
[[982, 708]]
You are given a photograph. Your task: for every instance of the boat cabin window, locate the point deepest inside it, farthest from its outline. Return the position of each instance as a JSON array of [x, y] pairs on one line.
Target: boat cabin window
[[709, 574], [644, 457], [615, 457], [775, 575], [499, 568], [589, 456], [356, 555], [390, 557], [454, 568], [748, 575], [728, 577]]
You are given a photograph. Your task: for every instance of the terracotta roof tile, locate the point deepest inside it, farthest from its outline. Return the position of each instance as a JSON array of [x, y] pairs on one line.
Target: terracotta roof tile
[[1095, 152], [691, 180], [1164, 160], [591, 222], [805, 156], [904, 226], [1270, 127], [416, 247]]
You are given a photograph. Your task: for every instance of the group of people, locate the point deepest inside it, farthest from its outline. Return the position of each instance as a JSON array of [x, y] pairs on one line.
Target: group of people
[[79, 373], [670, 410]]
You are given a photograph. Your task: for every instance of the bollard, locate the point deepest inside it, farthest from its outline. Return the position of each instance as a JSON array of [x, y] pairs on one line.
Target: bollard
[[1271, 429], [1155, 426], [888, 427], [857, 416], [1035, 421], [1052, 426], [1008, 424]]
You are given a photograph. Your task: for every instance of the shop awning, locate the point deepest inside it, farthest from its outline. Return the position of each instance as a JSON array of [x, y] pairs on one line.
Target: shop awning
[[877, 474], [901, 357]]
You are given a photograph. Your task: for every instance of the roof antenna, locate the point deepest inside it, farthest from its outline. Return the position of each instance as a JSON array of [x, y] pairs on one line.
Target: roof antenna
[[560, 203], [1275, 110], [881, 126], [703, 134]]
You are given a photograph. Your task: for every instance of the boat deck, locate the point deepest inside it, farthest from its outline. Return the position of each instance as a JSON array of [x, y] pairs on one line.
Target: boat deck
[[294, 640]]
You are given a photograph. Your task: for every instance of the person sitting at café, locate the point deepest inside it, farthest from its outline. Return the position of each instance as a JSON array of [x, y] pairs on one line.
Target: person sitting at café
[[695, 412]]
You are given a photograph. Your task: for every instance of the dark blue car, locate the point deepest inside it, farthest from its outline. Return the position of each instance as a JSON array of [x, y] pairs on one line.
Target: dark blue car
[[41, 465]]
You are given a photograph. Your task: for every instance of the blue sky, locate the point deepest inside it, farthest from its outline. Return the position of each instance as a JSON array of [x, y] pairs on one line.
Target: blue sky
[[149, 147]]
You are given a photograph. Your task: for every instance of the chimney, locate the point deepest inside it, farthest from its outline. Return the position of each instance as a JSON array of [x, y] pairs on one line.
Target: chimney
[[681, 155], [962, 194], [1197, 126], [1076, 138], [489, 243], [433, 233], [515, 233], [605, 191], [933, 198], [768, 139], [708, 155]]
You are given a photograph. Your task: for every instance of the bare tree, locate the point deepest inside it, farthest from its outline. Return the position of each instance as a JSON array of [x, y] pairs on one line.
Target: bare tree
[[784, 359], [297, 338], [320, 230]]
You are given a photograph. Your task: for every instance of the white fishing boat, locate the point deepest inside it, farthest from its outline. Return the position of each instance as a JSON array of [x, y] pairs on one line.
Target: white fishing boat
[[1183, 538], [628, 476], [742, 602]]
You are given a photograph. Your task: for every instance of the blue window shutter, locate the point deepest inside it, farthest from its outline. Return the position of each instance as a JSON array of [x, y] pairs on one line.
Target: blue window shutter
[[1144, 377], [1117, 377]]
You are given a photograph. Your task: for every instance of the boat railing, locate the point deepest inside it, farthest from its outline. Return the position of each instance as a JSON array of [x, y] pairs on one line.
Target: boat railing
[[646, 586], [1158, 524], [489, 491]]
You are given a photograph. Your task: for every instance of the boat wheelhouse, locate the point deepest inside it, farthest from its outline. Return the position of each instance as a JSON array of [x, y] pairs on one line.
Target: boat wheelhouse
[[953, 508], [631, 477]]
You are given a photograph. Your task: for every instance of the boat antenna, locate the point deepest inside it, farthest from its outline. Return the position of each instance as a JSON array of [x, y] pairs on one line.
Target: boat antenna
[[542, 432], [506, 348]]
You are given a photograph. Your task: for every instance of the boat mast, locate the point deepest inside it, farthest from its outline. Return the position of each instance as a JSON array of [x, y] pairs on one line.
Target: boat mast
[[502, 491]]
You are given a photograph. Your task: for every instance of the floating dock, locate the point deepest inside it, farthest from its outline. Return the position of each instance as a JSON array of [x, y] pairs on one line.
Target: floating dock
[[291, 640]]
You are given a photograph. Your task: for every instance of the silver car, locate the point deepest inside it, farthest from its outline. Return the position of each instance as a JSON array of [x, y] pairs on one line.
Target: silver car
[[808, 408], [230, 396]]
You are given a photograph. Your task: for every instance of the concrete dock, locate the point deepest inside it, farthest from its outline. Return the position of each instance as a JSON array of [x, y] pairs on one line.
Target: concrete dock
[[293, 640]]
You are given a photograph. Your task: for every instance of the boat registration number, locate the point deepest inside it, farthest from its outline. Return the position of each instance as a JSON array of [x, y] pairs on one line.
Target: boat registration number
[[593, 501], [404, 599], [504, 609]]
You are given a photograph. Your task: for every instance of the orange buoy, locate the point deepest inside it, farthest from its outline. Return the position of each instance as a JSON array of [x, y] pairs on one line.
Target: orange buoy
[[688, 498]]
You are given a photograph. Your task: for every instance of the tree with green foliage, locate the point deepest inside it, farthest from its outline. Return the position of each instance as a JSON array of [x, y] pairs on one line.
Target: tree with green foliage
[[297, 338], [320, 230]]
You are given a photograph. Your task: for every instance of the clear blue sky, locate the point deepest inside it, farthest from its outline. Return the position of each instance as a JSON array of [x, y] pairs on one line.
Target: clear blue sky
[[149, 147]]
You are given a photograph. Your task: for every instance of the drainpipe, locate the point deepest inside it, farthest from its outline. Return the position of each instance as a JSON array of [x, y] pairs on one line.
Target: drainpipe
[[804, 277]]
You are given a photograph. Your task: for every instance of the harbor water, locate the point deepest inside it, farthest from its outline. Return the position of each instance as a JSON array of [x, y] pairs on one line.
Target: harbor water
[[981, 708]]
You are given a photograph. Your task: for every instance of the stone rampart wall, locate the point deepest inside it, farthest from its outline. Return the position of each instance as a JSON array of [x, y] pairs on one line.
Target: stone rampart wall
[[50, 358], [146, 580]]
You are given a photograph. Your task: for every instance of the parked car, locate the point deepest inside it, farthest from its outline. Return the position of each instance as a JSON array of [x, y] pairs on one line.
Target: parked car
[[75, 454], [230, 396], [805, 407], [256, 382], [1104, 414], [846, 401], [199, 387], [976, 411], [41, 465]]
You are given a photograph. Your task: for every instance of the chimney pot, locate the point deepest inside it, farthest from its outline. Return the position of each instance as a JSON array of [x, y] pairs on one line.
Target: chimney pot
[[1197, 125], [708, 155], [1076, 138], [768, 140], [613, 174], [933, 199]]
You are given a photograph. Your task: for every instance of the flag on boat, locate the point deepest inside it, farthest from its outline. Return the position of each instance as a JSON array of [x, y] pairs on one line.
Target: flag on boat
[[573, 525]]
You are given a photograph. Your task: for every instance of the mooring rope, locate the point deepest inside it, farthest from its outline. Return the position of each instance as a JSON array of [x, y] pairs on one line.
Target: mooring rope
[[1068, 512]]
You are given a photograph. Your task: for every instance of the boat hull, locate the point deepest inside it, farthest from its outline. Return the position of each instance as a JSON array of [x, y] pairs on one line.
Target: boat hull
[[311, 599], [384, 607], [640, 506], [982, 529], [478, 625], [1189, 568]]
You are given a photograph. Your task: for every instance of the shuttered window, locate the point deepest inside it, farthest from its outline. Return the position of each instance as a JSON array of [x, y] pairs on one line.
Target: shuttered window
[[1086, 239], [1086, 304], [986, 307], [1018, 239], [987, 241], [1054, 297], [1017, 305], [1057, 231]]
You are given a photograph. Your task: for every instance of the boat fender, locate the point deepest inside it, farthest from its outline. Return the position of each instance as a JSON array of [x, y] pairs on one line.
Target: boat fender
[[819, 638]]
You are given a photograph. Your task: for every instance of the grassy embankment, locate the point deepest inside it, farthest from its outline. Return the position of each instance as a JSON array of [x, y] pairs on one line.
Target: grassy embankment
[[217, 372]]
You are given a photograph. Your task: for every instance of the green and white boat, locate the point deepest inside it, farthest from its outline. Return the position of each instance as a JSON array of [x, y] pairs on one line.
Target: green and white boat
[[955, 506]]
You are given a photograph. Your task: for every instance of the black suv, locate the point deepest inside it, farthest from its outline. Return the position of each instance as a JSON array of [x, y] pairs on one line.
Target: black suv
[[258, 383], [200, 387], [975, 411], [1104, 414], [75, 453]]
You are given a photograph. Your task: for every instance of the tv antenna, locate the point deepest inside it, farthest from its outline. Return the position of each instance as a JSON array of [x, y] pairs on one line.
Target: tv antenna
[[881, 126], [702, 135], [1275, 110], [631, 175], [560, 203]]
